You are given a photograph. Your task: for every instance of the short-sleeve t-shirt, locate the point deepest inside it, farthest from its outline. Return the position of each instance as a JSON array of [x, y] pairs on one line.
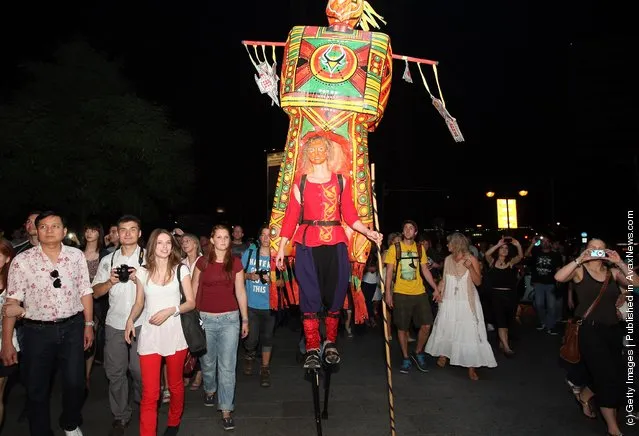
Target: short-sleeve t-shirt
[[409, 278], [257, 293], [217, 288], [544, 265]]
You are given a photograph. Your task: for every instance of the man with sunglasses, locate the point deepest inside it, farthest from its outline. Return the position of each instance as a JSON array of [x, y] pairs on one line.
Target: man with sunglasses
[[52, 282]]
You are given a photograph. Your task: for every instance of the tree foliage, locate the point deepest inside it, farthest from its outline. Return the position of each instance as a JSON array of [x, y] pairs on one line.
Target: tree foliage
[[76, 138]]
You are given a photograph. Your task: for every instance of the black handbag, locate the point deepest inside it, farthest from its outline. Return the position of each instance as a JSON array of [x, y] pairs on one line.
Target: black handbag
[[192, 325]]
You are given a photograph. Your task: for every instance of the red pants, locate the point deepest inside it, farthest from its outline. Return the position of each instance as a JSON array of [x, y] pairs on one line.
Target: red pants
[[150, 365]]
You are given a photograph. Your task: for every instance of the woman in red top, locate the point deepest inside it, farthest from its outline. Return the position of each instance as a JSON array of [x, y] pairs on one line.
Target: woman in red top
[[218, 282], [322, 267]]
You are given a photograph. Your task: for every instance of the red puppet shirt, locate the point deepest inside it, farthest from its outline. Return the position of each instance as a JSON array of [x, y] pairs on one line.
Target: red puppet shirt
[[322, 202]]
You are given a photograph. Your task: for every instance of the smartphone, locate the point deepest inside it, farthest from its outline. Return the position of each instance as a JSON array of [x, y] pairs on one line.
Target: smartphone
[[538, 243], [508, 239], [597, 253]]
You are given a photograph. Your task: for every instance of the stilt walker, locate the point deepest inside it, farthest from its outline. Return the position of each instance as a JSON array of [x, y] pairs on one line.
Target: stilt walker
[[335, 83]]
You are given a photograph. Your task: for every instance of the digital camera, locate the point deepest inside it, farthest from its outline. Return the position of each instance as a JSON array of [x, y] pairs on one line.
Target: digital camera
[[122, 272], [263, 276], [597, 253]]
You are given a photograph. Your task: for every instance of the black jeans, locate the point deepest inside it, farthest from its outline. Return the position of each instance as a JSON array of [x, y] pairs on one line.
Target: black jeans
[[261, 326], [47, 348]]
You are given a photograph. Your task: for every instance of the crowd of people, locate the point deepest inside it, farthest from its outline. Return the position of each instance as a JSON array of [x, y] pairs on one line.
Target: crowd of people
[[114, 302]]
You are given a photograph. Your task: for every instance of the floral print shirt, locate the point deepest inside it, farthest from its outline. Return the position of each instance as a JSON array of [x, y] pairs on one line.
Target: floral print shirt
[[31, 282]]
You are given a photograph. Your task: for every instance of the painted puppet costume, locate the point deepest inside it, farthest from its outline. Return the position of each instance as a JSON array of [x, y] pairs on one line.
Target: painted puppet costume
[[313, 223]]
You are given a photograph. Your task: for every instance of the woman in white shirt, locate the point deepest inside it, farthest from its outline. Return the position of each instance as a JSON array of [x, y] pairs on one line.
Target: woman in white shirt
[[6, 255], [191, 247], [161, 336]]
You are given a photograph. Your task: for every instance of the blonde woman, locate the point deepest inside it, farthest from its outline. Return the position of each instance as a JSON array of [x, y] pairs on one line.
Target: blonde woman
[[459, 332], [191, 248]]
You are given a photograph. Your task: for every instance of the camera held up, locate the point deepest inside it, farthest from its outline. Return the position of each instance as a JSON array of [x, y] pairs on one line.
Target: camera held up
[[123, 273]]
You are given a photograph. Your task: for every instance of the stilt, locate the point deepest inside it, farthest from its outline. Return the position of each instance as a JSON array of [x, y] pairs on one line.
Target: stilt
[[313, 376], [328, 370]]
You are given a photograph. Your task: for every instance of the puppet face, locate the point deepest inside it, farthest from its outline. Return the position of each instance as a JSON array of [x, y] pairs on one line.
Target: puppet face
[[317, 152], [344, 12]]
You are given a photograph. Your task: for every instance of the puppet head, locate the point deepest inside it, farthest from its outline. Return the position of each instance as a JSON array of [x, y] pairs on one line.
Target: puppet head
[[352, 13]]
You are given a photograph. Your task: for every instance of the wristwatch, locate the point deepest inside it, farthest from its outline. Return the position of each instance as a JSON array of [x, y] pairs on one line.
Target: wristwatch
[[177, 311], [89, 324]]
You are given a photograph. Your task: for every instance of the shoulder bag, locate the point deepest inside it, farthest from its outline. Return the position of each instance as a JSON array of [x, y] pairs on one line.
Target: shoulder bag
[[192, 325], [569, 350]]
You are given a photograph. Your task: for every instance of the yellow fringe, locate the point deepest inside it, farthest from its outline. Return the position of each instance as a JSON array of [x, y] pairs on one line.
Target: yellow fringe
[[368, 18]]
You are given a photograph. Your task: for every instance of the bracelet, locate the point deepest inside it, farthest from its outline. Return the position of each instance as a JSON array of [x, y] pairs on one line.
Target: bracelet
[[89, 323], [577, 262]]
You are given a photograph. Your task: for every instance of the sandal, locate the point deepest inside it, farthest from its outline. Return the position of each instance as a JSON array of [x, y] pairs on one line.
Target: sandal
[[196, 384], [587, 407], [331, 355], [312, 360]]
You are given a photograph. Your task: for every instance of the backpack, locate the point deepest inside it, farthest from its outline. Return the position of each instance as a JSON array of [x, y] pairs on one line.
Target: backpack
[[398, 256], [340, 180]]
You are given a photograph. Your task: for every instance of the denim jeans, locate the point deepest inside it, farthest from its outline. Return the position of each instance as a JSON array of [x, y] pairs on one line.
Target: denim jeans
[[219, 362], [546, 304], [47, 347]]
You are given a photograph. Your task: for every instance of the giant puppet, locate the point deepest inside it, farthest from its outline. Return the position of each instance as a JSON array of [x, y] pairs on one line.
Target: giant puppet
[[335, 84]]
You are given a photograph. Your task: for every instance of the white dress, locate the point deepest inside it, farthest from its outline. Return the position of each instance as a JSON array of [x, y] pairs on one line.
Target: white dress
[[167, 338], [459, 332]]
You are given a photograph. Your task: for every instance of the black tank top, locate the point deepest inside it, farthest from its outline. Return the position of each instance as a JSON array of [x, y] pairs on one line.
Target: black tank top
[[587, 291], [505, 278]]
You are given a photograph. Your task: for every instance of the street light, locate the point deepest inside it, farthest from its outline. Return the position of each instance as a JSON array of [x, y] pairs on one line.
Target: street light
[[507, 210]]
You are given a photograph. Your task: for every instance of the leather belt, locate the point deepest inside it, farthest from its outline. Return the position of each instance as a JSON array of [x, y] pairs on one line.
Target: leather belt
[[53, 322], [321, 223]]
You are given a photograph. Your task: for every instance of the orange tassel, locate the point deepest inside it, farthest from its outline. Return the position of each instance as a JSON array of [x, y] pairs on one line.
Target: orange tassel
[[273, 289], [360, 313]]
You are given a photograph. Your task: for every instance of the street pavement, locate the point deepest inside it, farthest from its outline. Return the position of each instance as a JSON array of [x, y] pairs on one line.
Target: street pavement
[[524, 396]]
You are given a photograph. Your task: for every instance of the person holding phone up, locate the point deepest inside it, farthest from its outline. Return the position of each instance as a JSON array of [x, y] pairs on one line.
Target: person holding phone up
[[501, 278]]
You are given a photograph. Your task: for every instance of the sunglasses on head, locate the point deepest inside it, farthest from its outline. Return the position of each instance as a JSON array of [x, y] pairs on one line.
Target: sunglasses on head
[[57, 283]]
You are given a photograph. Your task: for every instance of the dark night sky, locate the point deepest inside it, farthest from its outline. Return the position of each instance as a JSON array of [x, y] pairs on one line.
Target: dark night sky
[[540, 90]]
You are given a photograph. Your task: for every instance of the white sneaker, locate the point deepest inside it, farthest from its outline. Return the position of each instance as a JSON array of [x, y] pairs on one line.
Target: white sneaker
[[76, 432]]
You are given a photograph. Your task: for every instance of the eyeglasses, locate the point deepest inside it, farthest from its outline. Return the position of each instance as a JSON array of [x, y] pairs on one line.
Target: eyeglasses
[[57, 283]]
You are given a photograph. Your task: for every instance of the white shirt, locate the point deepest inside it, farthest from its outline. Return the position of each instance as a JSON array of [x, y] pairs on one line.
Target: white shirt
[[121, 295], [185, 261], [167, 338], [370, 277], [3, 296]]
